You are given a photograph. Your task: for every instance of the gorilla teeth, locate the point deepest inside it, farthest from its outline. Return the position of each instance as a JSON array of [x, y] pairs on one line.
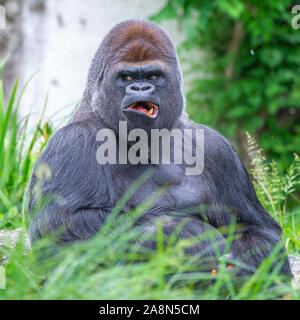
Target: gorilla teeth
[[145, 107]]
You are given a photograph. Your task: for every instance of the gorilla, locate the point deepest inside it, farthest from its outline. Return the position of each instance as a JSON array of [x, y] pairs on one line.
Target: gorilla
[[135, 78]]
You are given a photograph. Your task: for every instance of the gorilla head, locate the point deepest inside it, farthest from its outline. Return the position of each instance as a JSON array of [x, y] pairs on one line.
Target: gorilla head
[[135, 76]]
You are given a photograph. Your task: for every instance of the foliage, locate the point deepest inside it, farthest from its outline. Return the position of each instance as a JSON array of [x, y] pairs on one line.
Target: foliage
[[112, 265], [275, 189], [17, 155], [248, 75]]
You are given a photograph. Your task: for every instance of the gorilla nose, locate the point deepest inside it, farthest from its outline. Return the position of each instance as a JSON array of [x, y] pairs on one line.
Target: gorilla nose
[[140, 88]]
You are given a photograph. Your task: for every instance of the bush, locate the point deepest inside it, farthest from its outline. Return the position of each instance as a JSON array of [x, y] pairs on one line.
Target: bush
[[248, 77]]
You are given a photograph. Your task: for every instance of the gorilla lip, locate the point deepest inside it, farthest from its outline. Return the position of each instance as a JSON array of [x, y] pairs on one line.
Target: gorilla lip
[[146, 107]]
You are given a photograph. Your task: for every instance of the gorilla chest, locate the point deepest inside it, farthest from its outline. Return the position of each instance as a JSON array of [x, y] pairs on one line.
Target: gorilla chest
[[175, 189]]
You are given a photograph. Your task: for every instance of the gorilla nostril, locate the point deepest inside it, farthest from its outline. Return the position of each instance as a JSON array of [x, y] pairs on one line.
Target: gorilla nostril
[[140, 88]]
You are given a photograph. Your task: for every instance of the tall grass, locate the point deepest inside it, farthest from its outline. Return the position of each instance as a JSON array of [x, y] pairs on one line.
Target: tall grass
[[276, 192], [17, 155], [112, 265]]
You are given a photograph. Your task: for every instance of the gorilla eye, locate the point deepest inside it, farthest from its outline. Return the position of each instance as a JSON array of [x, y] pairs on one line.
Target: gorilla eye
[[153, 77], [128, 78]]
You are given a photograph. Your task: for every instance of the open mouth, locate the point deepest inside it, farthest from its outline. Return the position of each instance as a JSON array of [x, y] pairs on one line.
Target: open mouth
[[149, 108]]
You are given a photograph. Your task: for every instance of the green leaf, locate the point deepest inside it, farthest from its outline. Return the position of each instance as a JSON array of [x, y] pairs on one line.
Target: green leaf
[[233, 8], [272, 57]]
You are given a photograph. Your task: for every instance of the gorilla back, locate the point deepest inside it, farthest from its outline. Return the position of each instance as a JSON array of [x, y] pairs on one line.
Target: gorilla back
[[135, 78]]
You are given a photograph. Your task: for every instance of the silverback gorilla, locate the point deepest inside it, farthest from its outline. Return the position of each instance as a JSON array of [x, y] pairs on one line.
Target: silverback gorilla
[[135, 77]]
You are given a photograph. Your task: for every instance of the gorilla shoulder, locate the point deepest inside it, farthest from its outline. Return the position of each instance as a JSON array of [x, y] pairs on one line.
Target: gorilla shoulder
[[216, 145]]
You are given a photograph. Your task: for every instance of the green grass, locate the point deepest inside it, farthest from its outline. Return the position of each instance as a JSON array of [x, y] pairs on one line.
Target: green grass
[[112, 265], [276, 192], [18, 153]]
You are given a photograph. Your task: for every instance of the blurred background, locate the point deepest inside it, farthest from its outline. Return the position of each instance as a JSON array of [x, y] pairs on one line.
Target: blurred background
[[241, 60]]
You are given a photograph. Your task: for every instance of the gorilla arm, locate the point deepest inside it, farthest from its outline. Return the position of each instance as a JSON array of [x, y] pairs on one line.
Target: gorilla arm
[[81, 188], [234, 191]]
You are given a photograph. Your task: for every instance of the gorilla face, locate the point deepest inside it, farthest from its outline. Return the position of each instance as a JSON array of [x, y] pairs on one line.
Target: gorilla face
[[135, 77], [146, 94]]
